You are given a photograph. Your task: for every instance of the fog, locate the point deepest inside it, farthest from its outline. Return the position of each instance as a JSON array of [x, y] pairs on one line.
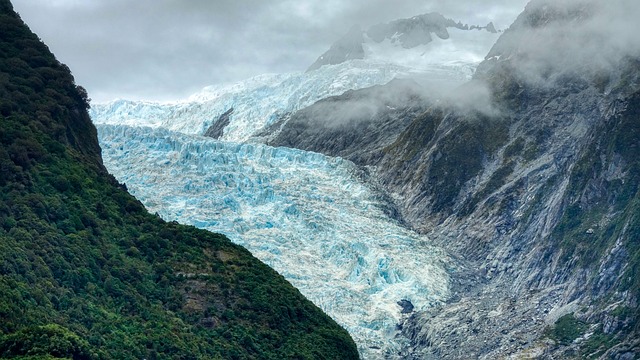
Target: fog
[[368, 104], [572, 36]]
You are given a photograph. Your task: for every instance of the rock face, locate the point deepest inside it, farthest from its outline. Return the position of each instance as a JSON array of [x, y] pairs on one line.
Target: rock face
[[357, 125], [216, 130], [408, 33], [539, 195], [349, 47], [530, 175]]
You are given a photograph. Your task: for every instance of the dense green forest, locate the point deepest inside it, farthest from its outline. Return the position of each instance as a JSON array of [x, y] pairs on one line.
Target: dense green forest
[[87, 273]]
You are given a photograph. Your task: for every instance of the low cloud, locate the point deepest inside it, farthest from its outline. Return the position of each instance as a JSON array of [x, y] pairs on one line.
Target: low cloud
[[474, 96], [571, 36], [367, 104]]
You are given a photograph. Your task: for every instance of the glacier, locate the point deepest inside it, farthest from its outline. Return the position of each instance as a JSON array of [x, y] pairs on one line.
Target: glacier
[[317, 220], [311, 217]]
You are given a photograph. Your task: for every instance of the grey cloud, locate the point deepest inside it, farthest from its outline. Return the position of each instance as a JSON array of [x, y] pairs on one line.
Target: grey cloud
[[164, 49], [474, 96]]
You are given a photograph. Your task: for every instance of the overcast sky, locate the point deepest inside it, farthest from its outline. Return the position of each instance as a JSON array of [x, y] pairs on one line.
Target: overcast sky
[[169, 49]]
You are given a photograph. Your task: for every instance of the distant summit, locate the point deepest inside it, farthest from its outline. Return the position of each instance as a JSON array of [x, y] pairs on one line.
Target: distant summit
[[404, 33]]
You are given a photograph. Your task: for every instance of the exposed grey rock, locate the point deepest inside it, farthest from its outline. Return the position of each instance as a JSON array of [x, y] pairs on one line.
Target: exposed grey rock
[[406, 305], [357, 125], [347, 48], [523, 195], [216, 130], [536, 195]]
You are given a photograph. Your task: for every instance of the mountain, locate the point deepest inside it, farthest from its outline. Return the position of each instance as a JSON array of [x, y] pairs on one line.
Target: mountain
[[277, 202], [529, 175], [87, 273], [521, 185], [401, 38], [321, 221]]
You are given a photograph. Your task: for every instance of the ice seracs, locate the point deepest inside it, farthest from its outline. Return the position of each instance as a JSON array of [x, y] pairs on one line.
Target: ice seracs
[[305, 214]]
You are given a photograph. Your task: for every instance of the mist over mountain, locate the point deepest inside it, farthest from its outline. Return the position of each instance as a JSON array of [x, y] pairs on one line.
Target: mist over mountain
[[403, 33], [529, 173]]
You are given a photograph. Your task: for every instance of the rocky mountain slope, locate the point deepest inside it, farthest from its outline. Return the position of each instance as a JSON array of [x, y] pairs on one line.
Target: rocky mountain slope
[[356, 125], [87, 273], [530, 174]]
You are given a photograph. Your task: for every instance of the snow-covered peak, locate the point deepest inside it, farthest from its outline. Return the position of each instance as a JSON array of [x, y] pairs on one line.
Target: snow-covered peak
[[415, 34]]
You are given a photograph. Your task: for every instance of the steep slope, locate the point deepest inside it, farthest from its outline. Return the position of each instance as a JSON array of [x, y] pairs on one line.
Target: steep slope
[[537, 188], [529, 173], [87, 273], [349, 47], [356, 125]]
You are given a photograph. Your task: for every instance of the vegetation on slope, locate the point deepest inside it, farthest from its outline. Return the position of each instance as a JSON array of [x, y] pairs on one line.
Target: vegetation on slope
[[87, 273]]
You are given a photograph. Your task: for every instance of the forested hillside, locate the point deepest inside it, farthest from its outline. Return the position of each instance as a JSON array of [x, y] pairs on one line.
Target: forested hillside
[[87, 273]]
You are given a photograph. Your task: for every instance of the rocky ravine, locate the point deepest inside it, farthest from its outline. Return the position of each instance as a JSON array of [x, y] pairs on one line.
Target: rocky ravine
[[530, 175]]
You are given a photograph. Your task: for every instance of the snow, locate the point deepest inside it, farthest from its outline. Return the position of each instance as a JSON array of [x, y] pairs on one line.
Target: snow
[[453, 58], [308, 216]]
